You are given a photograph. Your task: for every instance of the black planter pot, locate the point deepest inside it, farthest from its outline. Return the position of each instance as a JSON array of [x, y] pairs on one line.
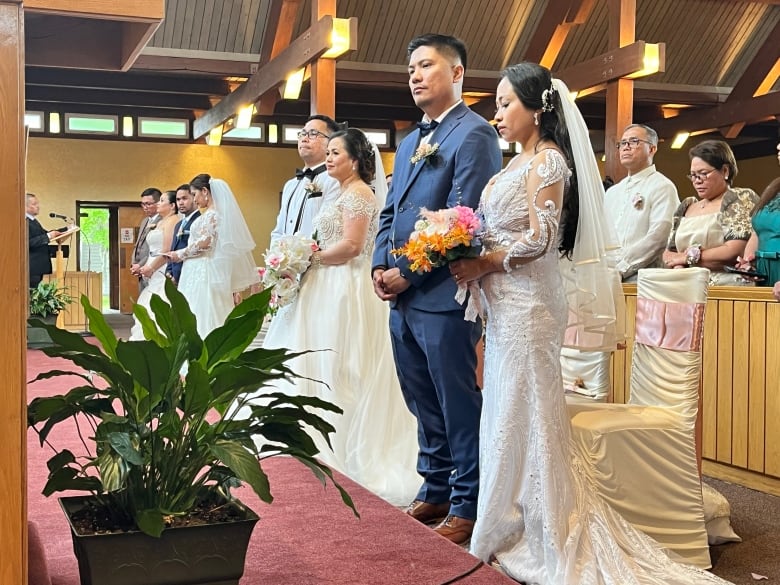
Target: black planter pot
[[211, 554]]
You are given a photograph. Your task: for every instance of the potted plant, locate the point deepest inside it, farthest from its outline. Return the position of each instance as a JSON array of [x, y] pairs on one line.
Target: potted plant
[[161, 444], [46, 301]]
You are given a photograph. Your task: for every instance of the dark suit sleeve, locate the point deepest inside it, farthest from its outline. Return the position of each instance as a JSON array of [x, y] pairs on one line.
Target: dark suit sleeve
[[381, 248], [39, 240]]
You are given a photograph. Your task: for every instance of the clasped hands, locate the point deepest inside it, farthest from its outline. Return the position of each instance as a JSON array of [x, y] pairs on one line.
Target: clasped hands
[[675, 259]]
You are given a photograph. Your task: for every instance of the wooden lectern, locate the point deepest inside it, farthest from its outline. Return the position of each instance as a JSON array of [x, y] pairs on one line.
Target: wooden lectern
[[59, 264]]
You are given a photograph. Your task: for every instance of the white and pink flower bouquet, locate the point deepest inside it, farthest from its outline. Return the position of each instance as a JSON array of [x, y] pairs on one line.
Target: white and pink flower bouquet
[[285, 262]]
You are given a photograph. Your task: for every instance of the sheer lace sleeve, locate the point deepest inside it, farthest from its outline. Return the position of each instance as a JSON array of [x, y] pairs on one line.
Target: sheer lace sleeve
[[203, 236], [531, 244], [355, 206]]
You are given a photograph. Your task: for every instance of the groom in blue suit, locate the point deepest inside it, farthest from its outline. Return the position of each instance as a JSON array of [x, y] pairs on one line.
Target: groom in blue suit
[[185, 203], [434, 347]]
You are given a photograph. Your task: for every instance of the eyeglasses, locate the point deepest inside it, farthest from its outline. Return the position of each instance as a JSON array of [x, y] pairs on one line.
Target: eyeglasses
[[631, 142], [700, 175], [311, 134]]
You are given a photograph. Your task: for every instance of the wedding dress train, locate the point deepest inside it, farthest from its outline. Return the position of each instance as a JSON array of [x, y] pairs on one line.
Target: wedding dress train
[[337, 313], [538, 515]]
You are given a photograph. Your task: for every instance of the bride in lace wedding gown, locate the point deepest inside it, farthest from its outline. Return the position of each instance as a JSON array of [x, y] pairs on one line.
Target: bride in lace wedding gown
[[538, 518], [336, 310]]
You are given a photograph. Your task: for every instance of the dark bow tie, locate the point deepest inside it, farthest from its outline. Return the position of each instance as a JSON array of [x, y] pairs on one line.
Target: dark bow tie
[[308, 173], [427, 127]]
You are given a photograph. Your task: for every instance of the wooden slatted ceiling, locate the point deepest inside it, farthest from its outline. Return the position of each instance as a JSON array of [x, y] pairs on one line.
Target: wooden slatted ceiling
[[709, 43], [228, 26]]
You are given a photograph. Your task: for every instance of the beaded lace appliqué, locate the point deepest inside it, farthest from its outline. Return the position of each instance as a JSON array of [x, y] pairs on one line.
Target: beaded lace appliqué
[[329, 223]]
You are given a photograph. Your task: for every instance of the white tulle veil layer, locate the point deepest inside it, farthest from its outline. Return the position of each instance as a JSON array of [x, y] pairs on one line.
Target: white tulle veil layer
[[233, 258], [593, 290]]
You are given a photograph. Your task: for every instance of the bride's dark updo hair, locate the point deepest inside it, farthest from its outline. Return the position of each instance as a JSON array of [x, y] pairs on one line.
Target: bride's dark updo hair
[[532, 84], [202, 181], [360, 149]]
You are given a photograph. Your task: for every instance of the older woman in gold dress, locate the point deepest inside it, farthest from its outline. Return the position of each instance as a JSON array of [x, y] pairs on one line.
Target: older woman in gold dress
[[713, 229]]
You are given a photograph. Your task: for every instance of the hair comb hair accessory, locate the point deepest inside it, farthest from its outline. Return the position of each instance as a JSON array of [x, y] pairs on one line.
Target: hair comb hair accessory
[[548, 99]]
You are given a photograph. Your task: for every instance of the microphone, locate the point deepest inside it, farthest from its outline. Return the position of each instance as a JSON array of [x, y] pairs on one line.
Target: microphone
[[58, 216]]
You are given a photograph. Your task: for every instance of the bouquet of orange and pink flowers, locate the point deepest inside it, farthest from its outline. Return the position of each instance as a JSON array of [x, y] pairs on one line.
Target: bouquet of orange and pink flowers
[[442, 236]]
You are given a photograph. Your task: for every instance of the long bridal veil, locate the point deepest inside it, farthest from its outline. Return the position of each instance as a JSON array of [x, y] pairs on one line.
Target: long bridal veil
[[380, 177], [233, 251], [593, 291]]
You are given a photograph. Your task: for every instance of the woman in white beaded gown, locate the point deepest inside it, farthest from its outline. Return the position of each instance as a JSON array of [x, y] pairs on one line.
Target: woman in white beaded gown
[[336, 310], [218, 262], [159, 240], [538, 519]]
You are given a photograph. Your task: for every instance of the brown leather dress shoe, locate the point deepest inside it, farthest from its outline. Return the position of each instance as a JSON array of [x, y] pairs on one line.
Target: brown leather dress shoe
[[455, 529], [427, 513]]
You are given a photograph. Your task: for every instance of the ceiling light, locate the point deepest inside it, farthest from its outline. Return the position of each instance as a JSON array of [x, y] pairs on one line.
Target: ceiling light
[[215, 136], [679, 140], [244, 117], [339, 39], [651, 62], [292, 88]]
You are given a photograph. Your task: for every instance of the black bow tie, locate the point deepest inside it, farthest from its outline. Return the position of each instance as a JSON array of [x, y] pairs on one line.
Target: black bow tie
[[427, 127], [308, 173]]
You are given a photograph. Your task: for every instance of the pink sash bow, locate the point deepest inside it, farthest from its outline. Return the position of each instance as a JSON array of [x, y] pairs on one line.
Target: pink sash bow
[[675, 326]]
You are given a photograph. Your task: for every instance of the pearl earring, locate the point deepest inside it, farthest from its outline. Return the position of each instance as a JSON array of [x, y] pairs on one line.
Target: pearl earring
[[536, 118]]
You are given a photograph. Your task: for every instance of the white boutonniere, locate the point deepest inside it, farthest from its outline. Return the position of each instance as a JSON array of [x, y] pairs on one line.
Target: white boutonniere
[[424, 152], [312, 188], [638, 201]]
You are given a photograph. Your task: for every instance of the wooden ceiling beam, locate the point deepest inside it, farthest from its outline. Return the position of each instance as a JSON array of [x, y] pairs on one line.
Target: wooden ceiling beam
[[137, 82], [279, 28], [127, 99], [760, 75], [609, 66], [100, 34], [303, 50], [734, 112], [554, 27]]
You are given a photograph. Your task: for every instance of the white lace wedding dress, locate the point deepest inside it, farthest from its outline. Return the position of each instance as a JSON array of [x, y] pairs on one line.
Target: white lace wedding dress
[[336, 310], [537, 513], [204, 281], [156, 283]]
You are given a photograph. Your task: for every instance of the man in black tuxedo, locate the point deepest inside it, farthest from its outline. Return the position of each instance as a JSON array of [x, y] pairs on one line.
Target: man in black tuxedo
[[40, 260], [181, 233]]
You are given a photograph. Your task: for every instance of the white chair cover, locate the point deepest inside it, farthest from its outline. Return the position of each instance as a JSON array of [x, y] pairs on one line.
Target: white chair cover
[[642, 455], [585, 375]]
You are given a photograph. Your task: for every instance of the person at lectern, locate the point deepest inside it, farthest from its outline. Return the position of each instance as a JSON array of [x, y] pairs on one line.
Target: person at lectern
[[38, 238]]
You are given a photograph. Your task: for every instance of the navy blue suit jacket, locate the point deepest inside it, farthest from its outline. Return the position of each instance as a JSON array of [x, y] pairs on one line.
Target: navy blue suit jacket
[[468, 156], [181, 238]]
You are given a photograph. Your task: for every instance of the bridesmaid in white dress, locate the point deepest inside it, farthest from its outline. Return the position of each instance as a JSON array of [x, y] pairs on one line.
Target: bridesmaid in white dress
[[159, 240], [218, 262], [538, 519], [336, 310]]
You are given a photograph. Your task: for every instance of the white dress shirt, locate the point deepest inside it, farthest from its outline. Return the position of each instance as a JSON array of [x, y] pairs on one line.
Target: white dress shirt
[[641, 208], [298, 208]]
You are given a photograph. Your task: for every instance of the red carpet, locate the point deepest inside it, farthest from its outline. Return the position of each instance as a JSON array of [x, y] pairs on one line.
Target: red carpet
[[306, 537]]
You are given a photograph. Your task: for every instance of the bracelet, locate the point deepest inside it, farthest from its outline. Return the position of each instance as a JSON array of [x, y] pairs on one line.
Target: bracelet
[[692, 255], [316, 260]]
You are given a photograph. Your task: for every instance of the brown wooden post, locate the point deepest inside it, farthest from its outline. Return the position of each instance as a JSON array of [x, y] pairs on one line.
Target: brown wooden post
[[13, 311], [620, 93], [323, 71]]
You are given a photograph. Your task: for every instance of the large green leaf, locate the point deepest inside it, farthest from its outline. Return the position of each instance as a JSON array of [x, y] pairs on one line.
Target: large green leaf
[[147, 361], [151, 522], [244, 465]]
